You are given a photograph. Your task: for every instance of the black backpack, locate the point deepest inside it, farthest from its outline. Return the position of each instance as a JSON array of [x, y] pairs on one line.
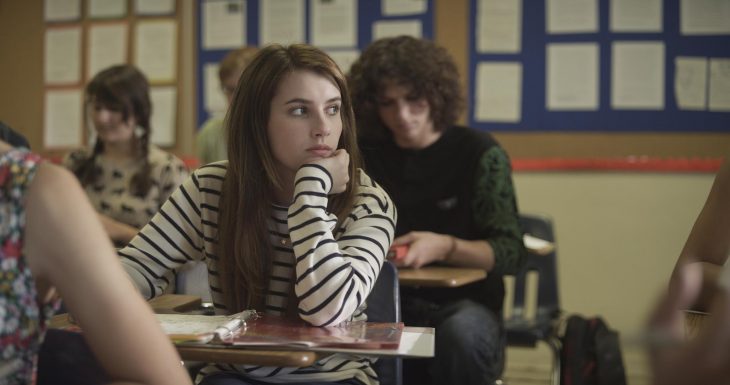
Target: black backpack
[[590, 354]]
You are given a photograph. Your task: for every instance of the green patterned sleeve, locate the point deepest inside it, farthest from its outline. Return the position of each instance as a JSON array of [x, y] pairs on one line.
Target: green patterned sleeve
[[495, 211]]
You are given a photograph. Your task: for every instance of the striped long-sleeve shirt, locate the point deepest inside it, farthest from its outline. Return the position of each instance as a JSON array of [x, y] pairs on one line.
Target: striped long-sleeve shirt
[[332, 270]]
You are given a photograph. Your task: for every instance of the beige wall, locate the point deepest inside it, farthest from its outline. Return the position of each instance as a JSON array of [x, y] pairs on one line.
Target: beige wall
[[618, 234], [618, 237]]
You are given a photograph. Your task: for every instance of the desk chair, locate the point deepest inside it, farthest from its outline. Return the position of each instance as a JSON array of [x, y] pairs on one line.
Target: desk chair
[[523, 330], [192, 279], [384, 306]]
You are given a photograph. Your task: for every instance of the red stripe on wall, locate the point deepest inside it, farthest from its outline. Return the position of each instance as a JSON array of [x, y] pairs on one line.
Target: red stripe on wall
[[630, 163]]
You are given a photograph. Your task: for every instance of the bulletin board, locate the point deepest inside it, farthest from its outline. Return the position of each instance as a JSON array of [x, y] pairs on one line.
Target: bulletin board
[[535, 117], [368, 12], [82, 37]]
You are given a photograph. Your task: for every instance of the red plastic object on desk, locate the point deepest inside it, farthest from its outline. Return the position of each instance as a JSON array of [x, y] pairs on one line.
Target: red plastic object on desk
[[397, 252]]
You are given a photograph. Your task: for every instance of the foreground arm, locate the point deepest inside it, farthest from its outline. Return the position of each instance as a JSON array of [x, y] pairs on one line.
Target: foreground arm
[[67, 248], [708, 243], [705, 359]]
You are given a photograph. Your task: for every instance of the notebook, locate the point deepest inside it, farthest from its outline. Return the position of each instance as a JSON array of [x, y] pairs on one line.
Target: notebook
[[204, 328]]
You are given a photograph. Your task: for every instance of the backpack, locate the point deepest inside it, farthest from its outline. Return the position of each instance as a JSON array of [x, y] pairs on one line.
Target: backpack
[[590, 353]]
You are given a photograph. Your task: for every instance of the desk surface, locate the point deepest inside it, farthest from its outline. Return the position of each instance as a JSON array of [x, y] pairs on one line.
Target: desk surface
[[440, 276], [420, 345], [177, 303]]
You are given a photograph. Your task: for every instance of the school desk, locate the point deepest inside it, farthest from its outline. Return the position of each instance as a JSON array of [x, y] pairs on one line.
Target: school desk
[[416, 342], [439, 276], [169, 303]]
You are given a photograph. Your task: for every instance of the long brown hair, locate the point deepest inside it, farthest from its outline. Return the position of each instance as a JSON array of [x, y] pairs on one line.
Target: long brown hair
[[121, 88], [244, 249]]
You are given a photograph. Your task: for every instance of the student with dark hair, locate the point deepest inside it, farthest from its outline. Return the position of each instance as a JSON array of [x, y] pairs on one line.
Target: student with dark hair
[[288, 225], [210, 142], [52, 241], [126, 177], [456, 202]]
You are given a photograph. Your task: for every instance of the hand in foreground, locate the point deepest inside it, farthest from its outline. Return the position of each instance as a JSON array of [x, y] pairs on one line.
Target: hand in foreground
[[424, 248], [705, 359], [338, 165]]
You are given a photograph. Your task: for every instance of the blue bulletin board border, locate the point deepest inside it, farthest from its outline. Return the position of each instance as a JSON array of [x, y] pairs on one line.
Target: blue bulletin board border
[[535, 116], [368, 12]]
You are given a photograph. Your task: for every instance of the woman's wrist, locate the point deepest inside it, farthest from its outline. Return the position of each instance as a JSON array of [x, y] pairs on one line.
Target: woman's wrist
[[452, 247]]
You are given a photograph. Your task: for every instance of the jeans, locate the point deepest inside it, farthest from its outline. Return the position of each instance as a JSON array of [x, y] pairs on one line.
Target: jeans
[[469, 347], [226, 378]]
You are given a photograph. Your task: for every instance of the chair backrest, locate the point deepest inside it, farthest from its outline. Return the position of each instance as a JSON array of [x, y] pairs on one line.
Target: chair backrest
[[384, 300], [384, 306], [548, 299], [192, 279]]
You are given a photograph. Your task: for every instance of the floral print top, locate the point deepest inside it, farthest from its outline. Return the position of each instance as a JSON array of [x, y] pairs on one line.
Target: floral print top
[[22, 319]]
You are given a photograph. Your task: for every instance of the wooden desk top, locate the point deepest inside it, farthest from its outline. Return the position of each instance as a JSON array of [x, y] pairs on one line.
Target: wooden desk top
[[440, 276], [248, 356], [251, 356]]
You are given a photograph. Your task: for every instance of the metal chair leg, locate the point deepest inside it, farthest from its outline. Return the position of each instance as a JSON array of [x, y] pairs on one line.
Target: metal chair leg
[[555, 346]]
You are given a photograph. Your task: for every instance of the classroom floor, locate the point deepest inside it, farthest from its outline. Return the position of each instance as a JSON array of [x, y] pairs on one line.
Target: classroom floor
[[532, 367]]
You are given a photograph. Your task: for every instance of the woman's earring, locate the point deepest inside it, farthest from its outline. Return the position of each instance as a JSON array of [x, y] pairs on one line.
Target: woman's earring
[[138, 131]]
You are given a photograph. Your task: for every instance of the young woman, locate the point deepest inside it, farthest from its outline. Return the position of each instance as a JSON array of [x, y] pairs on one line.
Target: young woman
[[126, 178], [453, 188], [289, 225], [52, 240]]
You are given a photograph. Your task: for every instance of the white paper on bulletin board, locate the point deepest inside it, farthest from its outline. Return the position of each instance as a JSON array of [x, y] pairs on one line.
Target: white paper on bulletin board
[[690, 82], [224, 24], [62, 118], [62, 62], [344, 58], [572, 76], [164, 111], [704, 17], [499, 92], [106, 8], [636, 16], [155, 49], [392, 28], [107, 46], [62, 10], [719, 84], [637, 75], [333, 23], [403, 7], [572, 16], [154, 7], [215, 101], [281, 21], [499, 26]]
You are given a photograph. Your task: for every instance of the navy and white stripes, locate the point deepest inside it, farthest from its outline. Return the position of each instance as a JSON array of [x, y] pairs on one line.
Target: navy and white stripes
[[332, 271]]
